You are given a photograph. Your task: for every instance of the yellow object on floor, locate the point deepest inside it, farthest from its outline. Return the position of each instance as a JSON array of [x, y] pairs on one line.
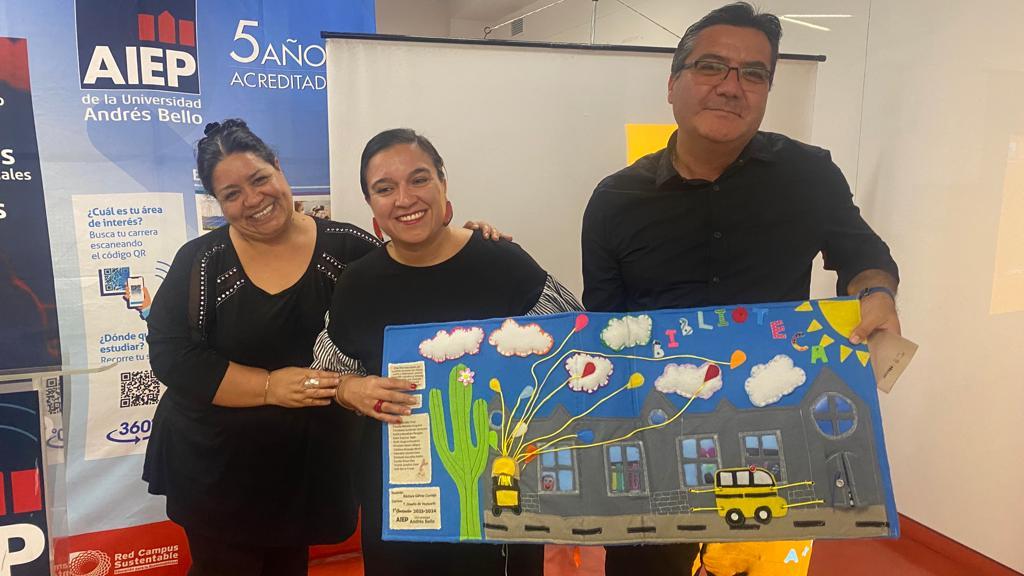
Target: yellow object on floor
[[786, 558]]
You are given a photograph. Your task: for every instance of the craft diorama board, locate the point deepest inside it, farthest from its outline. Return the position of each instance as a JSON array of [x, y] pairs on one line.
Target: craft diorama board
[[756, 422]]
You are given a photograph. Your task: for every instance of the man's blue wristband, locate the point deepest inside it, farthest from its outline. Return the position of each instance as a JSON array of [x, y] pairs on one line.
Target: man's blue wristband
[[869, 291]]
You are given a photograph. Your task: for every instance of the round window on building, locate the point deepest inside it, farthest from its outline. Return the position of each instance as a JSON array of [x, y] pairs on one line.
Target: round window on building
[[496, 419], [657, 416], [834, 415]]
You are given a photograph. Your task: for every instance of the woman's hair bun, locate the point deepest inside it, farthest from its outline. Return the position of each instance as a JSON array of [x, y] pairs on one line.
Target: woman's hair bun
[[230, 124]]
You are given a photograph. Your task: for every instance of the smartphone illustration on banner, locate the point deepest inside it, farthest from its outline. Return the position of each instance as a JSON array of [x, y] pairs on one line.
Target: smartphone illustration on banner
[[135, 291]]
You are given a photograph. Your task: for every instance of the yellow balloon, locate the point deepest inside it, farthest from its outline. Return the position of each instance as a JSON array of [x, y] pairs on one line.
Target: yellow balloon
[[495, 385], [635, 381]]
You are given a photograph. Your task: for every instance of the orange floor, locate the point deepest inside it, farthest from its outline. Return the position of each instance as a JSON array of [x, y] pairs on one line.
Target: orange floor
[[901, 557]]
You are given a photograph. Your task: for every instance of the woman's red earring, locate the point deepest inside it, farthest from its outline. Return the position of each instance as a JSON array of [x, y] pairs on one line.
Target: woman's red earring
[[448, 214], [376, 230]]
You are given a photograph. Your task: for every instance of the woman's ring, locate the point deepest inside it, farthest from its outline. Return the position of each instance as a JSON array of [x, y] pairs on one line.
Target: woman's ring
[[311, 383], [378, 407]]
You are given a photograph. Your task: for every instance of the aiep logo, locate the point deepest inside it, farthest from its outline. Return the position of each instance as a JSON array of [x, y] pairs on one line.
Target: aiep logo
[[138, 45]]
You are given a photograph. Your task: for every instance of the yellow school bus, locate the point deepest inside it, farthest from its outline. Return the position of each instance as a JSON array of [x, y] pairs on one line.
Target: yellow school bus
[[742, 493]]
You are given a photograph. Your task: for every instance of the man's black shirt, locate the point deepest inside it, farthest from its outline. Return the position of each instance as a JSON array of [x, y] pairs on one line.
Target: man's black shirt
[[652, 239]]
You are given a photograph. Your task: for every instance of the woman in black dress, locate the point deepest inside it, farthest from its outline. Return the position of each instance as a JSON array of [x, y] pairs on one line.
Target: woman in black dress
[[246, 443], [428, 272]]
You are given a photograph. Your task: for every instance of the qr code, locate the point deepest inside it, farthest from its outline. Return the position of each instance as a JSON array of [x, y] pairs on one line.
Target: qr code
[[139, 388], [54, 396], [113, 280]]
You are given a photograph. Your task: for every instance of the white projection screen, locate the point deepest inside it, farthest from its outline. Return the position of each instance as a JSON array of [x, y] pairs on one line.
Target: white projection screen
[[526, 130]]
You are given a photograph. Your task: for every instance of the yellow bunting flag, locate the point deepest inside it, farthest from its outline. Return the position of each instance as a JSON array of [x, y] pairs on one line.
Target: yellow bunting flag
[[844, 352]]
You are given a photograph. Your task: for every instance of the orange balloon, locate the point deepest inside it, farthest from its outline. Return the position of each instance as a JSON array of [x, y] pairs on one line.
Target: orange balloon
[[738, 358]]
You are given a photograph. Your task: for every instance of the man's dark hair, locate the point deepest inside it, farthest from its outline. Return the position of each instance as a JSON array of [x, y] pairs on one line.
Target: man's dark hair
[[739, 14], [223, 139], [394, 137]]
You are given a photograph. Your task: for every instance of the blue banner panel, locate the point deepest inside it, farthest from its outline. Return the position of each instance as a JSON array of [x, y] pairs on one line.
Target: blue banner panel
[[28, 329], [123, 90]]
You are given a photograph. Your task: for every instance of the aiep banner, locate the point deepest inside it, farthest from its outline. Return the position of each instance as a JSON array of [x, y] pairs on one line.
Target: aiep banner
[[122, 92]]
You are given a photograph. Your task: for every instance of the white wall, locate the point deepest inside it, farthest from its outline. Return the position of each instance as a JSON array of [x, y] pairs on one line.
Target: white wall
[[942, 105], [462, 28]]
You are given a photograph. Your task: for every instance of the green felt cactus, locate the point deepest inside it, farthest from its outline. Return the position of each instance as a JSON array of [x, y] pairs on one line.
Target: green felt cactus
[[463, 458]]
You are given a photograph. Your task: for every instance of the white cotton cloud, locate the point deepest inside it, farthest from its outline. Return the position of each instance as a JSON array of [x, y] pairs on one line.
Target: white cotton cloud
[[685, 379], [449, 346], [587, 373], [627, 332], [515, 340], [768, 383]]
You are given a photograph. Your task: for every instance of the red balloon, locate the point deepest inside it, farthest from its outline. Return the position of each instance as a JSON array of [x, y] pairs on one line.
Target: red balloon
[[581, 322], [712, 373], [588, 369]]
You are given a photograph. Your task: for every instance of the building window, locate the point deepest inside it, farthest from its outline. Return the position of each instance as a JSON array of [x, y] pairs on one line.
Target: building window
[[834, 415], [740, 478], [626, 468], [657, 417], [557, 472], [764, 450], [700, 460]]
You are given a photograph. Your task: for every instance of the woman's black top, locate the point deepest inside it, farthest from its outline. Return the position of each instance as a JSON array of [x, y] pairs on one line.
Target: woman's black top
[[265, 475]]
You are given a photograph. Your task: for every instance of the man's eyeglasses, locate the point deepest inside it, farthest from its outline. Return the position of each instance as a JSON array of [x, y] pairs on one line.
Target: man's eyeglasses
[[712, 72]]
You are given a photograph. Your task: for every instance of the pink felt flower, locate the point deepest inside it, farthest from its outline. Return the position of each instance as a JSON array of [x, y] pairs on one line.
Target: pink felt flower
[[466, 376]]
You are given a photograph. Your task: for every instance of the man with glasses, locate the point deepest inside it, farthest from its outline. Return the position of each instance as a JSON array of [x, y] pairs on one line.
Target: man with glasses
[[726, 214]]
